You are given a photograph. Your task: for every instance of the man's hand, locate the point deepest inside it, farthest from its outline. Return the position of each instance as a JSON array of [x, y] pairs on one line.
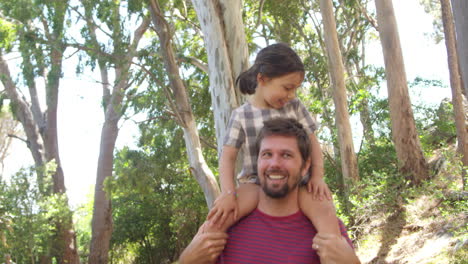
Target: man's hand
[[319, 188], [204, 248], [224, 205], [334, 249]]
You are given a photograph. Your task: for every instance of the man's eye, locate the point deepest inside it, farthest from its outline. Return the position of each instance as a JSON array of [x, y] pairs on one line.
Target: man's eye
[[287, 155], [266, 154]]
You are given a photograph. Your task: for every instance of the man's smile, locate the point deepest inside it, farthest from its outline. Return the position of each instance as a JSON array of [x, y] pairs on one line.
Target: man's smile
[[276, 176]]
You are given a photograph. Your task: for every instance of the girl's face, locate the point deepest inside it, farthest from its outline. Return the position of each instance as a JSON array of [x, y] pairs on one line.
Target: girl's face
[[276, 92]]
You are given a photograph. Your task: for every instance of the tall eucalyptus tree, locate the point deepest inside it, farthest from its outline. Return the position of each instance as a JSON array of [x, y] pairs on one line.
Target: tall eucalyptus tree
[[405, 137], [223, 32], [460, 11], [116, 51], [41, 38], [455, 82], [335, 66]]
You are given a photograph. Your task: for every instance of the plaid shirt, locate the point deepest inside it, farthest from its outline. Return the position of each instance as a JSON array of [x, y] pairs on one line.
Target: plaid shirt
[[246, 122]]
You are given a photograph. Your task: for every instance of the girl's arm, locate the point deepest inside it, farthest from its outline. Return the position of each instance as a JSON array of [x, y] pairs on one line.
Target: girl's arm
[[316, 183], [226, 203], [316, 164], [227, 165]]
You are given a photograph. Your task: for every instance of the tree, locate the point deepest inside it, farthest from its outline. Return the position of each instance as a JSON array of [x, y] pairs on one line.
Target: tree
[[405, 137], [220, 50], [455, 83], [183, 110], [460, 9], [41, 42], [348, 156], [118, 56]]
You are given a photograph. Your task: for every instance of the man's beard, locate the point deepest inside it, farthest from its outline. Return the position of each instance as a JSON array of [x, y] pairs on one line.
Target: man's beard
[[279, 193]]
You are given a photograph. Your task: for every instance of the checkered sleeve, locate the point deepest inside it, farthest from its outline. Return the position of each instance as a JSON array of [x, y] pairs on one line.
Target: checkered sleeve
[[235, 135], [305, 118]]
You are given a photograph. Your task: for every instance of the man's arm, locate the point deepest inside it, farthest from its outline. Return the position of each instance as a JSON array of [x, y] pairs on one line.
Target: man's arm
[[204, 248]]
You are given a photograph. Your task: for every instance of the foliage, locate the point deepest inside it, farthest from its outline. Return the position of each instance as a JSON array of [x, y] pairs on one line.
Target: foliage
[[7, 35], [158, 206], [82, 220], [437, 127], [433, 8], [25, 217]]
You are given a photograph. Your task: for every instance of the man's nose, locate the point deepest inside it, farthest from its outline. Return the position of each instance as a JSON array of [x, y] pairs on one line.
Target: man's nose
[[275, 161]]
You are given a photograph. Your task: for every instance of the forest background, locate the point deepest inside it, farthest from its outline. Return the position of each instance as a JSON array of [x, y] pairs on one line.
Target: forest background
[[166, 69]]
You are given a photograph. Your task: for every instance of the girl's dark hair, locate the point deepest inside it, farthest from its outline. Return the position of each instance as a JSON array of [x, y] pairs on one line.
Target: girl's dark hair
[[272, 61]]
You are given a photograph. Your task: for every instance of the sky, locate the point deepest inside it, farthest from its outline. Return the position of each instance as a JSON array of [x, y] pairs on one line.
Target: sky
[[80, 117]]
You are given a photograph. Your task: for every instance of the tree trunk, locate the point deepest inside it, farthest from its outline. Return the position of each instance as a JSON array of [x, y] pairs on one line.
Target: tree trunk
[[25, 116], [455, 82], [231, 11], [198, 166], [102, 210], [405, 137], [65, 249], [460, 11], [223, 95], [335, 64], [65, 240]]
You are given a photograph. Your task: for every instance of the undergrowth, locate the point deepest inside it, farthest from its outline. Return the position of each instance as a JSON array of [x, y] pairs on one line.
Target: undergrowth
[[385, 213]]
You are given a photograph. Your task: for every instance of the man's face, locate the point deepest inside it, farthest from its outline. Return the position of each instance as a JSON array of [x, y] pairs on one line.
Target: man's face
[[280, 165]]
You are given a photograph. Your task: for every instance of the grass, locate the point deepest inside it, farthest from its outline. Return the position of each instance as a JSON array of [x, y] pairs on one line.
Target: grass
[[419, 224]]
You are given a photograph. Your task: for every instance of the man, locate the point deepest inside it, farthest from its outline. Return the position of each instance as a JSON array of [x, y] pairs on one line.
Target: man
[[277, 231]]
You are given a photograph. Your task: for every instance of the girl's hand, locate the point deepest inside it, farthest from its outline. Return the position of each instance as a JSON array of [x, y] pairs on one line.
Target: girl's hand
[[319, 188], [223, 206]]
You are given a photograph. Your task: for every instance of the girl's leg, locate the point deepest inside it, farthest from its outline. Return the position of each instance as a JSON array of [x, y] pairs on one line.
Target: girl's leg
[[247, 201], [321, 213]]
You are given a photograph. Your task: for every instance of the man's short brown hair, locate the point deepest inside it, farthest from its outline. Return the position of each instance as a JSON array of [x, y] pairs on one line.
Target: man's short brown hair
[[288, 127]]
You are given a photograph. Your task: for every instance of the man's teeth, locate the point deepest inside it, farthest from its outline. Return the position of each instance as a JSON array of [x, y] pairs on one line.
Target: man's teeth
[[276, 177]]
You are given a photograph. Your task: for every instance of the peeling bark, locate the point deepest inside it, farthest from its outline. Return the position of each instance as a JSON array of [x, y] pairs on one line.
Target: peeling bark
[[223, 95], [231, 12]]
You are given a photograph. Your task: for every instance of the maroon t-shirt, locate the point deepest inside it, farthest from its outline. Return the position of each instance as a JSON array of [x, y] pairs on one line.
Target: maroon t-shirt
[[261, 238]]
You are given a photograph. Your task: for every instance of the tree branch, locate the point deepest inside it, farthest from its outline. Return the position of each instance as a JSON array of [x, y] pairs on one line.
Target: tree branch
[[260, 10], [196, 62], [166, 90]]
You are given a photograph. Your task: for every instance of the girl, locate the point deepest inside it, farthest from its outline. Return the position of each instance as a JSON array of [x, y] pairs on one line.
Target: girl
[[272, 81]]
